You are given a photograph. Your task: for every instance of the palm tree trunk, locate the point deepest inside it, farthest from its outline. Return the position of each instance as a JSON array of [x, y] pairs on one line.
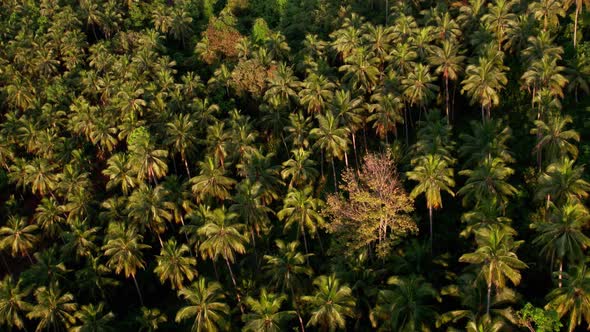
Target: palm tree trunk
[[346, 159], [188, 172], [137, 288], [29, 257], [576, 25], [447, 97], [430, 215], [483, 120], [356, 158], [334, 172], [489, 298], [386, 13], [406, 125], [297, 309], [305, 242], [233, 279], [560, 272], [322, 162]]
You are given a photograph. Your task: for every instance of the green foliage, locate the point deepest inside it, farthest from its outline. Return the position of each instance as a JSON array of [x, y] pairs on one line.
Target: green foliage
[[539, 319]]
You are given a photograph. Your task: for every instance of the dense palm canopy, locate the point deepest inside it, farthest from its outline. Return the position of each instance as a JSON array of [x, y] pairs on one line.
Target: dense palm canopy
[[281, 165]]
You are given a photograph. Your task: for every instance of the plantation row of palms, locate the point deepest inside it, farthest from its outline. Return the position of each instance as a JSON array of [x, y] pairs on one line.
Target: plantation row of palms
[[211, 166]]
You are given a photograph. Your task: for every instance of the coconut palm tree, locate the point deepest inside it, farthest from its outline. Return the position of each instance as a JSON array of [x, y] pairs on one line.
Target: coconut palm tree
[[579, 4], [499, 19], [360, 70], [211, 181], [53, 309], [548, 12], [13, 303], [265, 314], [123, 248], [448, 63], [93, 319], [300, 208], [561, 237], [418, 86], [148, 209], [144, 158], [205, 306], [119, 173], [561, 181], [573, 299], [555, 139], [386, 114], [223, 238], [483, 82], [330, 304], [299, 168], [174, 265], [18, 236], [331, 140], [248, 204], [406, 307], [433, 174], [285, 270], [316, 93], [181, 137], [488, 181], [149, 320], [487, 141], [497, 258]]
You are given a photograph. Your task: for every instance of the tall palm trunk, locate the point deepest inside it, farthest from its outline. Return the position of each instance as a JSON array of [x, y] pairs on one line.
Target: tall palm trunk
[[489, 297], [188, 172], [430, 215], [301, 326], [447, 97], [560, 272], [576, 25], [233, 279], [356, 158], [137, 288], [334, 172]]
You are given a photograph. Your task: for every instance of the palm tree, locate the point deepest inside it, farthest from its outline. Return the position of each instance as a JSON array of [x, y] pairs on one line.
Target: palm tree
[[488, 181], [13, 303], [299, 168], [578, 75], [79, 241], [387, 109], [500, 19], [249, 205], [205, 306], [562, 180], [144, 158], [485, 324], [119, 173], [181, 132], [211, 181], [350, 113], [554, 138], [405, 308], [548, 12], [579, 4], [573, 298], [174, 265], [360, 70], [316, 92], [330, 304], [301, 208], [487, 141], [418, 86], [433, 174], [223, 239], [265, 315], [123, 247], [285, 270], [93, 319], [495, 254], [54, 310], [147, 208], [449, 64], [332, 140], [150, 319], [561, 236], [483, 82], [18, 236]]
